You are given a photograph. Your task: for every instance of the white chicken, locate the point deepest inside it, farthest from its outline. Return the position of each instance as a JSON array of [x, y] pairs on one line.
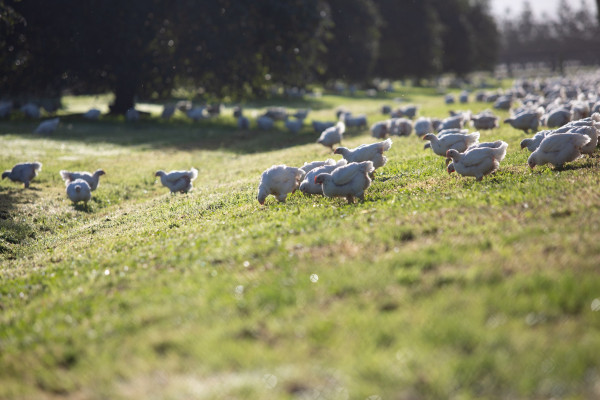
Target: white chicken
[[399, 126], [379, 130], [367, 152], [92, 113], [178, 181], [558, 149], [23, 172], [484, 120], [526, 120], [590, 131], [333, 135], [294, 125], [349, 181], [453, 122], [557, 117], [264, 122], [197, 113], [79, 190], [308, 186], [478, 161], [243, 123], [320, 126], [279, 180], [48, 126], [454, 141], [91, 179], [423, 126], [309, 166], [534, 142]]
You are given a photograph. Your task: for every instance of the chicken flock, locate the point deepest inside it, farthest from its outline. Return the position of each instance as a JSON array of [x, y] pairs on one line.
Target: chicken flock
[[572, 133]]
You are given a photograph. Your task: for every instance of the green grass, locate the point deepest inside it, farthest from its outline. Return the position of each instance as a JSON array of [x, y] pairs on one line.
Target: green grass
[[436, 286]]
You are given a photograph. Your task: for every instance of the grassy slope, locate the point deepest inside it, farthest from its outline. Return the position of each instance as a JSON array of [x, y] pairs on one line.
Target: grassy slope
[[436, 286]]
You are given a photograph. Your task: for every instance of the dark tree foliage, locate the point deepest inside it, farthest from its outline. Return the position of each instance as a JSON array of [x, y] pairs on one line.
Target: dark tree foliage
[[410, 40], [232, 48], [353, 42], [423, 38]]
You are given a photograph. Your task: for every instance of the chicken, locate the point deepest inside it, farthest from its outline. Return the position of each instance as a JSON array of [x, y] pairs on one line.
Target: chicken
[[294, 125], [93, 114], [23, 172], [589, 131], [307, 167], [178, 181], [526, 120], [243, 123], [558, 149], [453, 122], [279, 180], [48, 126], [91, 179], [484, 120], [423, 126], [478, 161], [556, 117], [490, 145], [349, 181], [333, 135], [399, 126], [367, 152], [320, 126], [197, 113], [534, 142], [454, 141], [79, 190], [167, 112], [265, 123], [308, 186], [379, 130]]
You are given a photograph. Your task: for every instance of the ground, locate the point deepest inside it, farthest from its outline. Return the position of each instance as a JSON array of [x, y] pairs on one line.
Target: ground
[[436, 286]]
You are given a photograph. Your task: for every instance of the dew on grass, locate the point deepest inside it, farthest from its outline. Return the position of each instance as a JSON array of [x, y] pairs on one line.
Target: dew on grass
[[246, 264], [107, 272], [125, 268], [239, 290], [374, 397], [314, 278], [270, 381]]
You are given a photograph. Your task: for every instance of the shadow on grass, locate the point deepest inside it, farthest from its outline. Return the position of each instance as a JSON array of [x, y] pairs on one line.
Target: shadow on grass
[[219, 133], [13, 230], [83, 207]]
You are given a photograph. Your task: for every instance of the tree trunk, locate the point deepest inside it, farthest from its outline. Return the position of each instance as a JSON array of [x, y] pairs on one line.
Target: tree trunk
[[125, 91], [598, 11]]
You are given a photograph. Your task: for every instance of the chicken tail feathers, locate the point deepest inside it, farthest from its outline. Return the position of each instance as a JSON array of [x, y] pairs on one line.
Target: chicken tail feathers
[[193, 173], [387, 144], [66, 175]]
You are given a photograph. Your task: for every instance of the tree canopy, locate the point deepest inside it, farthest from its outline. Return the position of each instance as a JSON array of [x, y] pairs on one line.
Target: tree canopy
[[233, 48]]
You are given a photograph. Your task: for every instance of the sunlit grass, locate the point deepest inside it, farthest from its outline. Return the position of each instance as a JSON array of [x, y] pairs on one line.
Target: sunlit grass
[[436, 286]]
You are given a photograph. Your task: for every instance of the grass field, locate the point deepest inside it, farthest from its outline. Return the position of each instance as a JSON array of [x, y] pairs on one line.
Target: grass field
[[436, 287]]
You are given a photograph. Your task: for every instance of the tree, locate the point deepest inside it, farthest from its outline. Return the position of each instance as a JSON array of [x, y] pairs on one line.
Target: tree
[[143, 47], [353, 41], [410, 39]]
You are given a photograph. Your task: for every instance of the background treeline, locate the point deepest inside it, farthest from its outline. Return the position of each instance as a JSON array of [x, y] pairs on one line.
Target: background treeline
[[233, 48], [237, 49], [569, 33]]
